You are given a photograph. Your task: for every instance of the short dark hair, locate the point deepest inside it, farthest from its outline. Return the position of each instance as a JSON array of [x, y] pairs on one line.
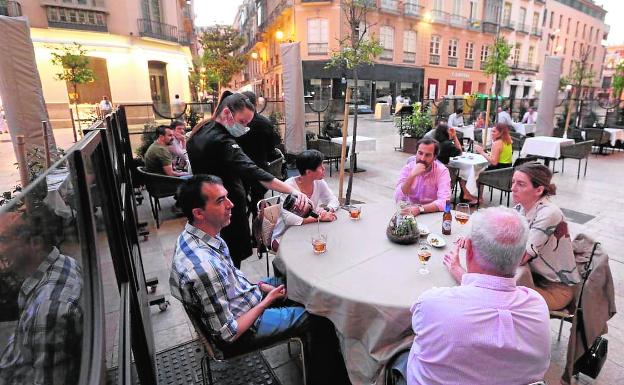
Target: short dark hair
[[177, 123], [459, 111], [189, 195], [162, 130], [235, 102], [252, 97], [441, 133], [309, 160], [427, 141]]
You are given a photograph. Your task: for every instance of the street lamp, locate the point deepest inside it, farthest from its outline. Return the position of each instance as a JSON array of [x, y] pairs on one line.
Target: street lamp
[[279, 35], [254, 55]]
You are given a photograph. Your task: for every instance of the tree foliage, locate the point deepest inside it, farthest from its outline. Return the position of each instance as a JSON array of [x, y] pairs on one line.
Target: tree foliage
[[582, 75], [496, 63], [618, 80], [74, 62], [222, 57]]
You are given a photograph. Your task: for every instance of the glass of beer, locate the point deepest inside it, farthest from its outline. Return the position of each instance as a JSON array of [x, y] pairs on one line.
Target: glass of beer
[[355, 212], [423, 256], [319, 243], [462, 213]]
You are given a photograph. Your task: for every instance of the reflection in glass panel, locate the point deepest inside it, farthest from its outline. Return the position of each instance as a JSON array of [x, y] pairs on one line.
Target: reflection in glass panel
[[41, 283]]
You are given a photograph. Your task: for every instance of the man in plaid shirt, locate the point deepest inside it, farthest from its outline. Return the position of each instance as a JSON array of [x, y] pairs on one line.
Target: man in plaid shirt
[[47, 343], [237, 312]]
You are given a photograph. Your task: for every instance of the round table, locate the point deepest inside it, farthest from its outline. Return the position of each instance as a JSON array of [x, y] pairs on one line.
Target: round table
[[364, 283]]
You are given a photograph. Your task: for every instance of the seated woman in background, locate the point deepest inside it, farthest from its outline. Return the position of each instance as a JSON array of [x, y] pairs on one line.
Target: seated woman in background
[[480, 121], [449, 143], [548, 266], [501, 154], [311, 183]]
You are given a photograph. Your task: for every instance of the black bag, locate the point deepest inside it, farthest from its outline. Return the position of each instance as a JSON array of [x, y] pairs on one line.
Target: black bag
[[591, 362]]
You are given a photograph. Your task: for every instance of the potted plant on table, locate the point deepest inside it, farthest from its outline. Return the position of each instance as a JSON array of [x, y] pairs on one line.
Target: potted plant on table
[[420, 123]]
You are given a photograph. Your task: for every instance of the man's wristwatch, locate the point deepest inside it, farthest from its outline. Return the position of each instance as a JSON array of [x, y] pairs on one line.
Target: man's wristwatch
[[421, 209]]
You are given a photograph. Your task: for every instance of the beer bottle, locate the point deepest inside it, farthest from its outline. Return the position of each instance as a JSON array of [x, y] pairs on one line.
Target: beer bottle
[[307, 211], [447, 219]]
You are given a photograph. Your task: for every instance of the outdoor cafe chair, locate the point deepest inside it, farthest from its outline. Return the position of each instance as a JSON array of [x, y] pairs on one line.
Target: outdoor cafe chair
[[500, 179], [158, 186], [577, 151], [600, 138], [216, 350], [269, 211]]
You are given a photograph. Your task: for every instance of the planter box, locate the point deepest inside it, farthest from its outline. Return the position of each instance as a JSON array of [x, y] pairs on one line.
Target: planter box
[[409, 144]]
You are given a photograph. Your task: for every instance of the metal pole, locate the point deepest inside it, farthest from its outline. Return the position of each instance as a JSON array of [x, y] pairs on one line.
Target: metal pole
[[343, 150], [22, 164], [46, 144]]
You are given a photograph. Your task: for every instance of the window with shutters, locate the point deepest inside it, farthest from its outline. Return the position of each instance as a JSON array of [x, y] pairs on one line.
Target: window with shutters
[[386, 39], [409, 46], [318, 36]]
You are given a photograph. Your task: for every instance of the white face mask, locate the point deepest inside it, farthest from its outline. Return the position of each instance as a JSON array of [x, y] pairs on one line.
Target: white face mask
[[236, 129]]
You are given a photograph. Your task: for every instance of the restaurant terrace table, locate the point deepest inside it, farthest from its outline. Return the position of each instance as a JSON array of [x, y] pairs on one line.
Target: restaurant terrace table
[[470, 166], [615, 135], [525, 128], [468, 131], [547, 147], [364, 143], [364, 283]]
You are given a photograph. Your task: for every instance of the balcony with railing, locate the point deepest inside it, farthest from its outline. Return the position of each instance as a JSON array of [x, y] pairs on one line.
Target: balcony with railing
[[434, 59], [523, 66], [475, 25], [468, 63], [536, 32], [523, 28], [317, 48], [156, 30], [490, 25], [412, 9], [275, 13], [389, 6], [185, 38], [452, 61], [458, 21], [387, 54], [409, 57], [10, 8], [507, 24], [440, 17], [76, 18]]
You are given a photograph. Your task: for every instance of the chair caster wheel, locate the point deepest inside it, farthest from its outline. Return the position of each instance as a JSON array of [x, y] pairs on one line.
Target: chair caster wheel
[[163, 306]]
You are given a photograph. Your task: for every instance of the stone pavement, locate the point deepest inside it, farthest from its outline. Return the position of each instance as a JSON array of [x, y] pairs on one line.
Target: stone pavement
[[596, 195]]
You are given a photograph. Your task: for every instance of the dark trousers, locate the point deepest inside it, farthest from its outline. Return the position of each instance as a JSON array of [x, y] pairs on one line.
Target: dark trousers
[[237, 234]]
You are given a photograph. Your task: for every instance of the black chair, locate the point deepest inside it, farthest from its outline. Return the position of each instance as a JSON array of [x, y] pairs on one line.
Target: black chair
[[330, 150], [600, 137], [454, 171], [517, 141], [275, 167], [158, 186], [500, 179], [577, 151], [214, 348]]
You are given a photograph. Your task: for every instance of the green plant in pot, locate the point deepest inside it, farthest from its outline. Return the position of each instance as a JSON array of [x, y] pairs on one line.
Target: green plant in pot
[[420, 123]]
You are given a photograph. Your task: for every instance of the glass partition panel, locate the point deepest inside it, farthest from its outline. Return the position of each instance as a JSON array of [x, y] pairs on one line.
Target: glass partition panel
[[46, 298]]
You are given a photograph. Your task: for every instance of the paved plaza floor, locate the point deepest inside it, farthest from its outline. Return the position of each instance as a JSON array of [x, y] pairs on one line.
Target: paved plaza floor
[[598, 196]]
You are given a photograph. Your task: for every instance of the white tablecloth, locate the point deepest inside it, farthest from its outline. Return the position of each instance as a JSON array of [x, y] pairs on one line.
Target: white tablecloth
[[525, 128], [468, 131], [364, 143], [364, 283], [615, 135], [59, 185], [470, 166], [545, 146]]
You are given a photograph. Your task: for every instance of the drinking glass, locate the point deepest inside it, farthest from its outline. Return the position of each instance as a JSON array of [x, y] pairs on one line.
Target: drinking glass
[[355, 212], [462, 213], [319, 243], [423, 256]]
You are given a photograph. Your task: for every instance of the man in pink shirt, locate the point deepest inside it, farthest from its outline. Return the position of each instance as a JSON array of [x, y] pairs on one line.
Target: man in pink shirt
[[424, 180], [488, 330]]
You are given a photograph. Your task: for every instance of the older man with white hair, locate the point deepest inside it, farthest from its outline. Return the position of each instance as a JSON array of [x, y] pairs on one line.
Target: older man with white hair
[[487, 330]]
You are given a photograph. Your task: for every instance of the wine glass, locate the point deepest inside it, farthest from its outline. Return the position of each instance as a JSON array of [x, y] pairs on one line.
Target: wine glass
[[423, 256], [462, 213]]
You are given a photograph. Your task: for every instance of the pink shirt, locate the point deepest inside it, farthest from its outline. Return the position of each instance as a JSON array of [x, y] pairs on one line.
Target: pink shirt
[[486, 331], [431, 186]]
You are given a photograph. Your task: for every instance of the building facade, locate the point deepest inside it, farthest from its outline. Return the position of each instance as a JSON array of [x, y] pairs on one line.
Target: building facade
[[573, 29], [430, 48], [138, 49], [614, 57]]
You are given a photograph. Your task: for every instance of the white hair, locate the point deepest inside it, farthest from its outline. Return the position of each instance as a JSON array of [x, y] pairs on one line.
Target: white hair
[[499, 236]]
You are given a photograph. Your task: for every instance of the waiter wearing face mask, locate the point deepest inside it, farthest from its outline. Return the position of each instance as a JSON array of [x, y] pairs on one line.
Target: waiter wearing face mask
[[212, 149]]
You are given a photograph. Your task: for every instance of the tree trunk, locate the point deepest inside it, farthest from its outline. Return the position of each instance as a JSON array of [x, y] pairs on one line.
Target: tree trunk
[[353, 141]]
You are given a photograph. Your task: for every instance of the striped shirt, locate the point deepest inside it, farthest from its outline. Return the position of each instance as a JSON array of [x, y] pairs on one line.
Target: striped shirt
[[47, 343], [203, 275]]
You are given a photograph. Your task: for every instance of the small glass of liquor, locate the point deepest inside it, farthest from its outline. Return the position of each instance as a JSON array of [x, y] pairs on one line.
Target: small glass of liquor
[[354, 212], [462, 213], [319, 243], [423, 256]]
